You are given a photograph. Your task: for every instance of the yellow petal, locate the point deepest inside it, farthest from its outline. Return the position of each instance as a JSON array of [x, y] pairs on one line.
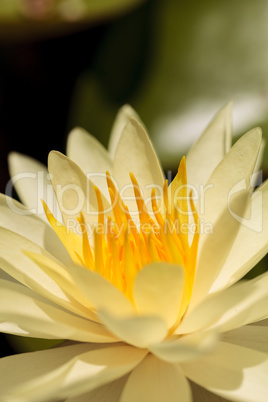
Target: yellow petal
[[36, 364], [140, 331], [14, 216], [124, 114], [233, 372], [251, 243], [158, 291], [91, 156], [210, 148], [156, 381], [81, 374], [239, 305], [74, 191], [136, 154], [216, 246], [32, 183], [25, 313], [16, 263], [188, 347]]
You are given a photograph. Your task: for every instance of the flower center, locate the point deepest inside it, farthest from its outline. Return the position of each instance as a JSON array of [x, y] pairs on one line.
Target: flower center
[[122, 247]]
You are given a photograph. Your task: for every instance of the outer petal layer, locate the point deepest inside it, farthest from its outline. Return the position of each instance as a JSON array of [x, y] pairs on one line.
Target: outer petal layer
[[251, 243], [25, 313], [239, 305], [234, 372], [16, 217], [156, 381], [31, 181], [81, 374], [176, 350], [230, 178]]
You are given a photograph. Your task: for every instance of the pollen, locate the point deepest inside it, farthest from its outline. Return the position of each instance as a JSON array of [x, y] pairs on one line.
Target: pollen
[[169, 233]]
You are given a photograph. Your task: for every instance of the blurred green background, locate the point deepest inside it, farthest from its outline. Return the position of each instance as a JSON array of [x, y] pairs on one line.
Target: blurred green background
[[65, 63]]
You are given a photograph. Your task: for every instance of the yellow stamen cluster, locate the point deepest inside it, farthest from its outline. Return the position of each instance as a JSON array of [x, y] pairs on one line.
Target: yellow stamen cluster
[[122, 249]]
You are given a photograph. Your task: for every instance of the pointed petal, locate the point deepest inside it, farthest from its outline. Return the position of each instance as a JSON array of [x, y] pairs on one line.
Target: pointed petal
[[61, 275], [239, 305], [156, 381], [36, 364], [17, 264], [91, 156], [14, 216], [135, 153], [215, 247], [251, 243], [88, 287], [140, 331], [74, 191], [158, 290], [81, 374], [186, 348], [210, 148], [32, 183], [25, 313], [234, 372], [232, 175], [124, 114], [250, 336], [229, 179]]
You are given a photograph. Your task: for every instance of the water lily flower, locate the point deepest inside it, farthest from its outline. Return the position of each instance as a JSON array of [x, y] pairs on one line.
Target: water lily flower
[[142, 277]]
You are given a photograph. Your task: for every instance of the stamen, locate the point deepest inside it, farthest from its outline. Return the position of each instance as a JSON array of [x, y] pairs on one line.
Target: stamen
[[122, 248], [87, 253], [142, 209]]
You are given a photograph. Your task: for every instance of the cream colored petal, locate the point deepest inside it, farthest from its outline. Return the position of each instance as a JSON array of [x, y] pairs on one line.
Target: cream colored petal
[[20, 368], [232, 175], [25, 313], [188, 347], [17, 264], [106, 393], [234, 372], [250, 336], [216, 246], [140, 331], [158, 290], [74, 191], [81, 374], [88, 287], [135, 153], [124, 114], [251, 243], [91, 156], [239, 305], [156, 381], [230, 179], [14, 216], [79, 304], [210, 148], [32, 183]]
